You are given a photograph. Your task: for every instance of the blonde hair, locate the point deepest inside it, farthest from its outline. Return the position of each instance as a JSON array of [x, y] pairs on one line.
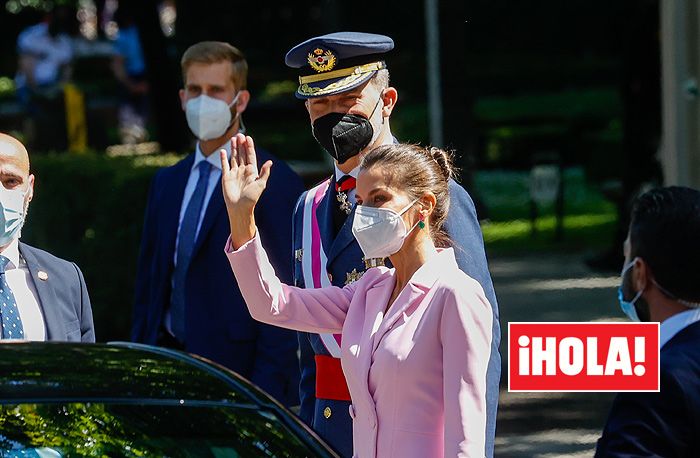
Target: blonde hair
[[212, 52]]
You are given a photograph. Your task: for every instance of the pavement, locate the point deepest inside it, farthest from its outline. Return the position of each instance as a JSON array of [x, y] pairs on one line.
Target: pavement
[[550, 287]]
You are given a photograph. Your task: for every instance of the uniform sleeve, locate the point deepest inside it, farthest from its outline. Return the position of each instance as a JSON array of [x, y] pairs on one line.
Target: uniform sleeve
[[465, 333], [307, 383], [321, 310], [142, 284]]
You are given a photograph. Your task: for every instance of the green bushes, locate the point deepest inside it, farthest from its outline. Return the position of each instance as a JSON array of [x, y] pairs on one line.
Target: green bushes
[[89, 209]]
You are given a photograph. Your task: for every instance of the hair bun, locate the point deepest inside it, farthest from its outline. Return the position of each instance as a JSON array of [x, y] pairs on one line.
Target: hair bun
[[443, 159]]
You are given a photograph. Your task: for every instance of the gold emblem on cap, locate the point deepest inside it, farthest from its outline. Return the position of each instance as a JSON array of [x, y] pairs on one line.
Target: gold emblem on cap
[[327, 412], [321, 61], [352, 277], [42, 275]]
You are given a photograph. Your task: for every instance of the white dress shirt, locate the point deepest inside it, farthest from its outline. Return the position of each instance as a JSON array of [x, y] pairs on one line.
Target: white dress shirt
[[20, 282], [675, 324], [214, 177]]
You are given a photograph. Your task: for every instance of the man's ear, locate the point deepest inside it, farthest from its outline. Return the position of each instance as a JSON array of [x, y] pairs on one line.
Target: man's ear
[[182, 99], [242, 102], [389, 97], [30, 188], [641, 275]]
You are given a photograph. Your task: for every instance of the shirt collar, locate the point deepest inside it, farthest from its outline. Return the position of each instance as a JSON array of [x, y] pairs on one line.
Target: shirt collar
[[12, 253], [340, 174], [213, 158], [675, 324]]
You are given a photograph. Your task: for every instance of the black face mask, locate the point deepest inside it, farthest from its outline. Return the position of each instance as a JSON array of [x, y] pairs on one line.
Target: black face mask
[[343, 135]]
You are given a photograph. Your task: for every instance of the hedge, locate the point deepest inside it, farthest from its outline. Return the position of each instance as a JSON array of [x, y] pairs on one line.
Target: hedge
[[89, 209]]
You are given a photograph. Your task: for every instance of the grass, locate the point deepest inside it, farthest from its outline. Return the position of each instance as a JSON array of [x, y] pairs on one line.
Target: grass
[[589, 219]]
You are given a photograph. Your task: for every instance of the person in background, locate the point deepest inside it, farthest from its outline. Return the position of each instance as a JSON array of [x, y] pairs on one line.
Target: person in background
[[185, 293], [129, 69], [344, 82], [45, 54], [660, 283], [44, 297]]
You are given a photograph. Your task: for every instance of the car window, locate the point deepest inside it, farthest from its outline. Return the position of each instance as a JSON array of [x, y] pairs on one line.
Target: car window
[[143, 430]]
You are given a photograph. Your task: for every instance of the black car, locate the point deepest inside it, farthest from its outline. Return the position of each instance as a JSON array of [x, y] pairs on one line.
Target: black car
[[132, 400]]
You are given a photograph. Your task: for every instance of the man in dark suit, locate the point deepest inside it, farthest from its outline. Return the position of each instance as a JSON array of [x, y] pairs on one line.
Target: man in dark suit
[[186, 296], [344, 81], [43, 297], [660, 283]]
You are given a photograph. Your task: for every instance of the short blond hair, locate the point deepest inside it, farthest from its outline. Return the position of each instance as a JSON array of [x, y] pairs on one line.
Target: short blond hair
[[212, 52]]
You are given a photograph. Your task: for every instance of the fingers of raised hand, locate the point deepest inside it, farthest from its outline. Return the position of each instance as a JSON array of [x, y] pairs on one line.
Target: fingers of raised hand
[[225, 168], [265, 172], [251, 157]]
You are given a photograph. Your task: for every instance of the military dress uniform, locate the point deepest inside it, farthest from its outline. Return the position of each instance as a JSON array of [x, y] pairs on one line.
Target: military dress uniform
[[326, 252], [325, 400]]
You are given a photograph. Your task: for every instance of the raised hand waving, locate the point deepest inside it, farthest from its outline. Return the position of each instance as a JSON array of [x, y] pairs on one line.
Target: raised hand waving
[[242, 186]]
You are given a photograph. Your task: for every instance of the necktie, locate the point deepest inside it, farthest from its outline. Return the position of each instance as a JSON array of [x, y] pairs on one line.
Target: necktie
[[185, 245], [343, 186], [11, 321]]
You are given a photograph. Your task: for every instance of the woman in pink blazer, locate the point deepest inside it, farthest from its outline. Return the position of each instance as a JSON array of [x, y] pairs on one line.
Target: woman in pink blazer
[[415, 338]]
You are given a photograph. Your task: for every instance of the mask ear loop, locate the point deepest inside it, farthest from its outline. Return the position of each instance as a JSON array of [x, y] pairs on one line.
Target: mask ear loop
[[624, 271], [234, 102]]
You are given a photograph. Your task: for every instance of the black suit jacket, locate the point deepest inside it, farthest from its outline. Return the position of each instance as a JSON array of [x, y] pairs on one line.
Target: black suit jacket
[[667, 423], [63, 296]]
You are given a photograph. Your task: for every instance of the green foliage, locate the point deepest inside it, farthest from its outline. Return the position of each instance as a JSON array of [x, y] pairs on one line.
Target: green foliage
[[89, 209], [7, 87]]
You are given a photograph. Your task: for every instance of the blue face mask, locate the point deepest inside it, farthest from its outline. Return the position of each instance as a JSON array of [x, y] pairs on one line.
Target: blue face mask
[[628, 308]]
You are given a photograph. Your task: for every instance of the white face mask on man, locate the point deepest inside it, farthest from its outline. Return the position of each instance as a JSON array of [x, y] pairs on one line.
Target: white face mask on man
[[380, 232], [12, 214], [208, 117]]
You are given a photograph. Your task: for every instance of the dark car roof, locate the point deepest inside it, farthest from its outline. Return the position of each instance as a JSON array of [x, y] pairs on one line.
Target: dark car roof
[[116, 371]]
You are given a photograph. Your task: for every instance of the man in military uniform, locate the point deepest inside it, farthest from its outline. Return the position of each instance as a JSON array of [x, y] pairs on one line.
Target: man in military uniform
[[344, 81]]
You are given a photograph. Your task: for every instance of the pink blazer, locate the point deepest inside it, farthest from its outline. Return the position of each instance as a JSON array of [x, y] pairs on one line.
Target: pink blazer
[[417, 376]]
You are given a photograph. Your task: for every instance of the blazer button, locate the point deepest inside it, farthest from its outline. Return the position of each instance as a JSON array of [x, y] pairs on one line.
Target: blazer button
[[327, 412]]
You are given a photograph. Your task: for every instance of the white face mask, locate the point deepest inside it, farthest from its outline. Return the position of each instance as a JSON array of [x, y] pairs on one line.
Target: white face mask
[[12, 213], [208, 117], [380, 232]]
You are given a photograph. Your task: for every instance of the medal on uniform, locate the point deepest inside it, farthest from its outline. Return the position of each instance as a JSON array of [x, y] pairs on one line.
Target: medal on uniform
[[352, 277], [345, 204]]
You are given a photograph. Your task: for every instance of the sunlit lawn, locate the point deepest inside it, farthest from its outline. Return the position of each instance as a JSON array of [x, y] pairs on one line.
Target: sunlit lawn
[[589, 219]]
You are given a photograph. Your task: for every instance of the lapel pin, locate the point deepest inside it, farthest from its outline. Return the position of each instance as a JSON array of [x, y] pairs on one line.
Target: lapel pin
[[42, 275]]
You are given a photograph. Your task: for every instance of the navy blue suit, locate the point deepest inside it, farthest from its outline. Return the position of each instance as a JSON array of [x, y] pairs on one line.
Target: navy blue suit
[[218, 324], [344, 255], [63, 296], [666, 423]]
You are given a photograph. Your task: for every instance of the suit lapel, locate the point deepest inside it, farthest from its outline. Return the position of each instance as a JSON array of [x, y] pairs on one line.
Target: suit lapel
[[47, 296], [376, 299], [407, 300], [171, 203], [343, 238]]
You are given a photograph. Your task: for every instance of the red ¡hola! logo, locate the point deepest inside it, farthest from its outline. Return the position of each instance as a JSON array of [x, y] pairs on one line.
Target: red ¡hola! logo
[[583, 356]]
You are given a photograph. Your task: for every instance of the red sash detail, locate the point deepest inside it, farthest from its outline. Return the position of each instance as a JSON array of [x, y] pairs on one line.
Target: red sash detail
[[330, 380]]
